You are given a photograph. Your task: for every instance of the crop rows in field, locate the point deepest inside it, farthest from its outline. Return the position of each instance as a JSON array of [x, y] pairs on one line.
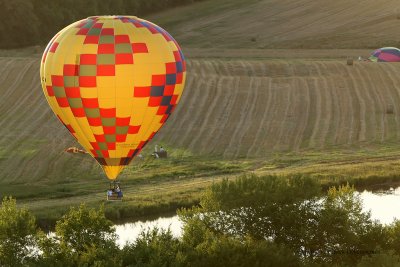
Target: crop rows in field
[[32, 140], [252, 108], [231, 109]]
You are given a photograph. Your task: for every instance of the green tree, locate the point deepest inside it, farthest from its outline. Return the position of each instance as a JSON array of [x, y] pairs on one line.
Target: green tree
[[393, 231], [153, 248], [290, 212], [348, 232], [203, 247], [83, 237], [251, 205], [17, 234]]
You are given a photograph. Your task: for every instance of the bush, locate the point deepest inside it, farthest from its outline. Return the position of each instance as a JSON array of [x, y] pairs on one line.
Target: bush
[[83, 237], [252, 221], [202, 247], [152, 248], [385, 259], [291, 213], [17, 234]]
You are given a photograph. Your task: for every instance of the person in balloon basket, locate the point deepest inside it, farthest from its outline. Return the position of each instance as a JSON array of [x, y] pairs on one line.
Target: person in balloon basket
[[118, 191]]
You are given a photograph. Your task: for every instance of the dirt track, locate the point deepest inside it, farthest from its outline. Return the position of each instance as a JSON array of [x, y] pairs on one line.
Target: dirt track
[[231, 109]]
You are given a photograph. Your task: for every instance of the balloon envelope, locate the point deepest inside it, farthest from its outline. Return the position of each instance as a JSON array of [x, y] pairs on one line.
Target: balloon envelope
[[385, 54], [113, 81]]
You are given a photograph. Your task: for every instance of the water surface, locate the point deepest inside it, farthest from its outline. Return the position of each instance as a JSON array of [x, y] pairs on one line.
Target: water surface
[[384, 207], [128, 232]]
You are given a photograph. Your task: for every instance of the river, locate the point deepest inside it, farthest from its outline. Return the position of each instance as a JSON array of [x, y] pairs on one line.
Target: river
[[128, 232], [384, 206]]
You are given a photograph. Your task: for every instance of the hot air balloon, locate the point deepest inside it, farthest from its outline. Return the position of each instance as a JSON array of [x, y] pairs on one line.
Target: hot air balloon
[[385, 54], [113, 81]]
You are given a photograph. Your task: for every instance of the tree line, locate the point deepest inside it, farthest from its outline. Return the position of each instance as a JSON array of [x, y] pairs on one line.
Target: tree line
[[251, 221], [35, 22]]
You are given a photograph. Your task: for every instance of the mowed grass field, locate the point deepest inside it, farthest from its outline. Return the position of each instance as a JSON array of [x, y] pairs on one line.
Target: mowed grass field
[[248, 107]]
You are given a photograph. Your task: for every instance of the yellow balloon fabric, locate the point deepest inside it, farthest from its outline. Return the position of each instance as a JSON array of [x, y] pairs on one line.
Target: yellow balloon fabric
[[113, 81]]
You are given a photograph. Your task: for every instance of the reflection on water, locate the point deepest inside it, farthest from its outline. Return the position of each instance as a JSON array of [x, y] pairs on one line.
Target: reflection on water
[[384, 206], [130, 231]]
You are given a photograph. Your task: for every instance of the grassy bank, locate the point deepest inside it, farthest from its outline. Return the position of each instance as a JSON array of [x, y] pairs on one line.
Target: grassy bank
[[151, 187], [155, 187]]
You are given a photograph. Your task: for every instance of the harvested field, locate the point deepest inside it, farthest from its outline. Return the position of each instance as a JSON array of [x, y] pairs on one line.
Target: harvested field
[[252, 108], [32, 141], [230, 109], [284, 24]]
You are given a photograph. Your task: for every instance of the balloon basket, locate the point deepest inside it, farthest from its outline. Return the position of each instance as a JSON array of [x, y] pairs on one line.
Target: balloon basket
[[114, 193]]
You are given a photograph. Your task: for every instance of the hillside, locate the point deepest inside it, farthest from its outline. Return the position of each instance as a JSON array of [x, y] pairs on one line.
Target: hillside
[[252, 108], [285, 24], [268, 89], [231, 109], [32, 141]]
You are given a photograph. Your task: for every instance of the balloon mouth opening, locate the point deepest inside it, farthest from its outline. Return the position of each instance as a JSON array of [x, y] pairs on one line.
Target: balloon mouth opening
[[112, 17], [112, 172]]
